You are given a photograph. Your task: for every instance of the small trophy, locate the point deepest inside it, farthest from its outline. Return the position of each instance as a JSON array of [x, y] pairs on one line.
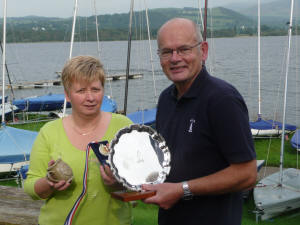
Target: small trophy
[[137, 155]]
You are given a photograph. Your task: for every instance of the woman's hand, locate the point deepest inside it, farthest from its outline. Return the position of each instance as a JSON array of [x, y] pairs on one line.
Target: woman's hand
[[107, 175], [44, 187], [61, 185]]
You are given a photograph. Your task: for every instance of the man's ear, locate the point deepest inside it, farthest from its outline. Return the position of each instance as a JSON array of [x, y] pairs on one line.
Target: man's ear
[[204, 49]]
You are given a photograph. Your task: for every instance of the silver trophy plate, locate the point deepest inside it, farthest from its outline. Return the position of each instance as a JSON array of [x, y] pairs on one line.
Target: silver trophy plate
[[139, 155]]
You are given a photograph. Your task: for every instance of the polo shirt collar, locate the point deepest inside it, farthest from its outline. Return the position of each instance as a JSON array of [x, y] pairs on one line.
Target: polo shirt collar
[[193, 91]]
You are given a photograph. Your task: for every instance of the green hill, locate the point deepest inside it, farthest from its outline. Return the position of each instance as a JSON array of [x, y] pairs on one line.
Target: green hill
[[225, 22]]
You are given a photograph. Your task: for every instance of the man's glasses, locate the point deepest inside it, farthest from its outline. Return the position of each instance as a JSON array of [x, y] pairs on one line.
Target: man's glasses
[[181, 51]]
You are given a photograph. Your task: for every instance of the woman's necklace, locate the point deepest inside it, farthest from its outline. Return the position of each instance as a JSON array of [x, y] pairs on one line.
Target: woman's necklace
[[84, 133]]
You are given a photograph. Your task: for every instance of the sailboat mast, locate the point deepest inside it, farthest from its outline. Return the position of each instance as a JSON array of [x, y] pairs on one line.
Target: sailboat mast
[[200, 12], [205, 22], [128, 57], [73, 28], [71, 46], [285, 91], [3, 63], [258, 58], [205, 26], [9, 80], [97, 29]]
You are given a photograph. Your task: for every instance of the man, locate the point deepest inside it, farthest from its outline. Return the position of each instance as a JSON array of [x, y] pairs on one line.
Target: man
[[205, 123]]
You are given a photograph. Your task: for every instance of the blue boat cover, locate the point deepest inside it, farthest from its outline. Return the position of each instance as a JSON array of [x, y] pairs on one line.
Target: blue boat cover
[[261, 124], [49, 102], [52, 102], [15, 144], [295, 140], [146, 116], [108, 105]]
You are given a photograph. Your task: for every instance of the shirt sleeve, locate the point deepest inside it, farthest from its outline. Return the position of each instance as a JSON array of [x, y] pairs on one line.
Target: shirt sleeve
[[39, 158], [230, 123]]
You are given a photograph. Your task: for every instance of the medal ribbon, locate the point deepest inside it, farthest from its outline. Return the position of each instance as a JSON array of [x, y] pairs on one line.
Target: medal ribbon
[[71, 214]]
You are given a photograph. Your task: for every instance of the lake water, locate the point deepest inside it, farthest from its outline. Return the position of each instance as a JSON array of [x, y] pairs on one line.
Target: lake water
[[231, 59]]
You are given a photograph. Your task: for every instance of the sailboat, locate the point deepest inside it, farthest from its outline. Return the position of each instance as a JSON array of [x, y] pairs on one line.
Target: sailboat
[[15, 144], [279, 192], [261, 127]]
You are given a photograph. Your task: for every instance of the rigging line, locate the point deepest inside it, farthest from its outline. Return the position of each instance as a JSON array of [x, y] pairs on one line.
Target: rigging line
[[143, 50], [80, 33], [86, 32], [71, 46], [285, 91], [151, 54], [97, 24], [138, 28]]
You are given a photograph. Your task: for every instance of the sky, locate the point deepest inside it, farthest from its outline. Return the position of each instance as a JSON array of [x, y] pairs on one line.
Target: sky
[[64, 8]]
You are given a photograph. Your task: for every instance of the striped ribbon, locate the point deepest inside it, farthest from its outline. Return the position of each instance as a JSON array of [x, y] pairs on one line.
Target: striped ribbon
[[71, 214]]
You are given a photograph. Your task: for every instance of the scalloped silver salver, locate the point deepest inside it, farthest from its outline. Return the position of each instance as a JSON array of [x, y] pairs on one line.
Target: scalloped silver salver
[[139, 155]]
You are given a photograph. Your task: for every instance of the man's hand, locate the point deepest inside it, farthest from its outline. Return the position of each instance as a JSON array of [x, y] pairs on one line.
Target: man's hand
[[167, 194]]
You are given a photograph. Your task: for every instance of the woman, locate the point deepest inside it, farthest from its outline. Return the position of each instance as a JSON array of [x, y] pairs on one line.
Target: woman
[[67, 138]]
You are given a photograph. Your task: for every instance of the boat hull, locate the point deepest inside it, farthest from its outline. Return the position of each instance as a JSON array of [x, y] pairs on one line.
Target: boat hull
[[272, 199], [269, 128]]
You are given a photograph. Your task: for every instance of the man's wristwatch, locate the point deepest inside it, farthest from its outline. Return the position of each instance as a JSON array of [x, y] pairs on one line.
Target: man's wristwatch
[[187, 194]]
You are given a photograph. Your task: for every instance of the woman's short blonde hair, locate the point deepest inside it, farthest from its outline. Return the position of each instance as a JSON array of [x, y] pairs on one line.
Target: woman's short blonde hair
[[82, 68]]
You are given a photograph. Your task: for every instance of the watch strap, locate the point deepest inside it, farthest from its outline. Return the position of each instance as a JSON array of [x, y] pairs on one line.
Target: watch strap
[[187, 194]]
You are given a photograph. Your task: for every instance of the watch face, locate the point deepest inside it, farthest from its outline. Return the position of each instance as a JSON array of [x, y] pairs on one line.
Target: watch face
[[139, 155]]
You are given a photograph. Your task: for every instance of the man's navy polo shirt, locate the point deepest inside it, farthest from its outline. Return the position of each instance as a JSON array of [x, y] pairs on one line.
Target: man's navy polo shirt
[[205, 130]]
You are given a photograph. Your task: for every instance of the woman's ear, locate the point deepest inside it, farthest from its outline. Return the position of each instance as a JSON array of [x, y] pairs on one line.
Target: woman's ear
[[67, 96]]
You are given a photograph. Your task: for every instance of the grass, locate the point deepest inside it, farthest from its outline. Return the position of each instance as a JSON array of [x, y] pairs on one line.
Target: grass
[[12, 183], [144, 214], [33, 126], [263, 146]]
